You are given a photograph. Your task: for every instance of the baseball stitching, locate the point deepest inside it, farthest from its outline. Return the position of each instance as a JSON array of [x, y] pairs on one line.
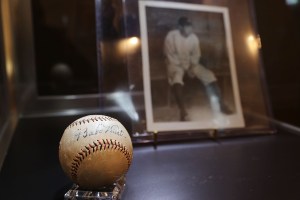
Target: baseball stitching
[[103, 145], [92, 119]]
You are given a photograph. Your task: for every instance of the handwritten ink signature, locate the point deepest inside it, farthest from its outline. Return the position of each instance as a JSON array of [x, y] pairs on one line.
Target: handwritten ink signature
[[101, 128]]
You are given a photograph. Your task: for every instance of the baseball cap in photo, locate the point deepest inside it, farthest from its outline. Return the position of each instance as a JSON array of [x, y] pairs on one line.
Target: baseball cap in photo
[[184, 21]]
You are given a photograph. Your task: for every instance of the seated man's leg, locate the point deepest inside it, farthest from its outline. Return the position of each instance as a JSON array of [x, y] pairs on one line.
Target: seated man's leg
[[212, 87], [203, 74], [177, 90], [176, 74]]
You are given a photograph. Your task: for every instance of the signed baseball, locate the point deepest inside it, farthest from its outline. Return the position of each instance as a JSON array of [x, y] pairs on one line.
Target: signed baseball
[[95, 151]]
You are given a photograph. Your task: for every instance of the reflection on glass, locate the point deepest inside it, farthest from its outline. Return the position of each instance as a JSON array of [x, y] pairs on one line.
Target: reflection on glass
[[3, 102], [9, 68], [65, 46], [292, 2], [3, 97], [128, 45], [134, 41], [8, 43], [6, 64], [253, 43], [123, 99]]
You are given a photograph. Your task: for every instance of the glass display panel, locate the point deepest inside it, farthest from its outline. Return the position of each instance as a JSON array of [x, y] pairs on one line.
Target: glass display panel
[[3, 91], [65, 47], [229, 48]]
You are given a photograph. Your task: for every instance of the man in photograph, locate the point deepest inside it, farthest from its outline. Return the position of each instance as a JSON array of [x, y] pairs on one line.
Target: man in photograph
[[182, 51]]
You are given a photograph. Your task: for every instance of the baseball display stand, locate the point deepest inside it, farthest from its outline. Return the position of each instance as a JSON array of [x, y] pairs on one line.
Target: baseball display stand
[[113, 192], [95, 152]]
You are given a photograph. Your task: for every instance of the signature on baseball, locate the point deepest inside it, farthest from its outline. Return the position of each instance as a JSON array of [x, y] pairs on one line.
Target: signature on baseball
[[101, 128]]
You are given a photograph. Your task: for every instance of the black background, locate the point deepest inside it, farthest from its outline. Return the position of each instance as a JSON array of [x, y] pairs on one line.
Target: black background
[[279, 28]]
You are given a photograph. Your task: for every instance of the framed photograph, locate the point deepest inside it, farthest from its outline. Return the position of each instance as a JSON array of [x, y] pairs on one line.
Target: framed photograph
[[196, 70], [187, 52]]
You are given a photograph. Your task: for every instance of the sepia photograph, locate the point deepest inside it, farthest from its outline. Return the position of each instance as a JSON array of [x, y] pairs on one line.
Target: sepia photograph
[[189, 72]]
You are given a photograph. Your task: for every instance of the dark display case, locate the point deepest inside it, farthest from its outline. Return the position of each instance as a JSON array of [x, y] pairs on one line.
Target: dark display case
[[61, 60]]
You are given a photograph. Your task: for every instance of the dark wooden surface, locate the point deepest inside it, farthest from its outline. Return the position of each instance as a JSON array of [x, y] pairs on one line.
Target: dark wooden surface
[[263, 167]]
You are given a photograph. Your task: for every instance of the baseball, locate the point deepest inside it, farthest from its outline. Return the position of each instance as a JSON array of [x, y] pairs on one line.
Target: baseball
[[95, 151]]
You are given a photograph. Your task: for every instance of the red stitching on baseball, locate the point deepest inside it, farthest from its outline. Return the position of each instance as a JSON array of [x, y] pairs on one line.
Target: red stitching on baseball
[[93, 119], [92, 148]]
